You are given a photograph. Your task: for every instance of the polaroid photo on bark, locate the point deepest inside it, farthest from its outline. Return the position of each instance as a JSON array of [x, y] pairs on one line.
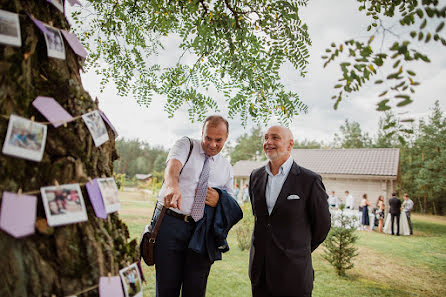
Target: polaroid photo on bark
[[54, 43], [63, 204], [10, 28], [96, 126], [58, 4], [131, 281], [109, 192], [25, 139]]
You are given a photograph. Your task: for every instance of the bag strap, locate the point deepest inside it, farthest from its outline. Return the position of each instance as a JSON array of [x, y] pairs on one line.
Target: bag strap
[[163, 210]]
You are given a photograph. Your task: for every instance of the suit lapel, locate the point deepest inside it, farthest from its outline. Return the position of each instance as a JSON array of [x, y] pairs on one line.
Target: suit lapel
[[261, 201], [287, 185]]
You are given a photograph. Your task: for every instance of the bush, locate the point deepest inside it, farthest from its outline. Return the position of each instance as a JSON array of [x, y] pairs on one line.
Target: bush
[[243, 230], [340, 246]]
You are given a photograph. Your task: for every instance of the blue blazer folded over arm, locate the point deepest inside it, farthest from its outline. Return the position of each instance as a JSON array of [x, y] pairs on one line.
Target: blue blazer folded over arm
[[211, 231]]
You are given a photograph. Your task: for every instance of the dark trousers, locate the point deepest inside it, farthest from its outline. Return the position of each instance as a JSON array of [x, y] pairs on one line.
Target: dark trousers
[[392, 217], [261, 289], [410, 222], [177, 267]]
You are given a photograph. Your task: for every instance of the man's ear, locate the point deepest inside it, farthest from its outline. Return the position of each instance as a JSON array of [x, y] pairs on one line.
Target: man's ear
[[291, 144]]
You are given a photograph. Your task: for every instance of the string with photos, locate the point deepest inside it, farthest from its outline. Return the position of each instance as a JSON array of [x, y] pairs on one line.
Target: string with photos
[[64, 123]]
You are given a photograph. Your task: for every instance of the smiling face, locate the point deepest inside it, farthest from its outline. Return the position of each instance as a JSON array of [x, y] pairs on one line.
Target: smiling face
[[213, 138], [278, 143]]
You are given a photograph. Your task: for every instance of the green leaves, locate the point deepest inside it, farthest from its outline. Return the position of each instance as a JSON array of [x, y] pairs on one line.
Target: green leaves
[[362, 60], [233, 48]]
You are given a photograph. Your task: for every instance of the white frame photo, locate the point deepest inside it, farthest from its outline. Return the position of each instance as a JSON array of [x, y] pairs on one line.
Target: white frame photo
[[54, 50], [96, 126], [123, 275], [9, 22], [107, 186], [18, 142], [65, 217]]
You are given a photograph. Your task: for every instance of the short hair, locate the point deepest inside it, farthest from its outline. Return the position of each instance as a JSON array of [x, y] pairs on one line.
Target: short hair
[[347, 192], [364, 196], [394, 194], [215, 120]]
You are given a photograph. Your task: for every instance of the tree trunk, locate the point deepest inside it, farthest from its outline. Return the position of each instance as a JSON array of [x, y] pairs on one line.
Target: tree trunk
[[66, 259]]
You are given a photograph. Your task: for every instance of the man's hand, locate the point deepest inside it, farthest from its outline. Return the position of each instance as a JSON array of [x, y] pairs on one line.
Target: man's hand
[[212, 197], [172, 198]]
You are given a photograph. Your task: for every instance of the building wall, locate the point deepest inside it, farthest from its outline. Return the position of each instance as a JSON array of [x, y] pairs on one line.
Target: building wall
[[358, 186]]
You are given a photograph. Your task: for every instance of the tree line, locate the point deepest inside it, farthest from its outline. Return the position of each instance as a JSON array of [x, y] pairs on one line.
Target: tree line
[[422, 147]]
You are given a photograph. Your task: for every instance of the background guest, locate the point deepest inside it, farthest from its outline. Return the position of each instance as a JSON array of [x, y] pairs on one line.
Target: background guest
[[395, 211], [333, 200], [365, 213], [349, 200], [380, 212], [407, 208]]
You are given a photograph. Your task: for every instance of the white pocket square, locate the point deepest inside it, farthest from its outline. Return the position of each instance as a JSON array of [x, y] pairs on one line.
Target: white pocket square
[[293, 197]]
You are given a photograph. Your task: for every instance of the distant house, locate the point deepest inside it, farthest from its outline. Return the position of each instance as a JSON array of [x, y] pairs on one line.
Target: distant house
[[143, 177], [371, 171]]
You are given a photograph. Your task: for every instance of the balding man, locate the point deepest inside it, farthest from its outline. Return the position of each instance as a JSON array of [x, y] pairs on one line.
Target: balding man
[[292, 219]]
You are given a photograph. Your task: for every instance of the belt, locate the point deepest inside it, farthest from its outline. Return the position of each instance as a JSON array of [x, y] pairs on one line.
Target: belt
[[186, 218]]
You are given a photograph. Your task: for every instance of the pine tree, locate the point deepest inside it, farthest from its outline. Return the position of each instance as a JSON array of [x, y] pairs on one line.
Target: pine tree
[[340, 243]]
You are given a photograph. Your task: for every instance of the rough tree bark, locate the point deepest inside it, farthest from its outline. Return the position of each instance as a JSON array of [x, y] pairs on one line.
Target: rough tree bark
[[66, 259]]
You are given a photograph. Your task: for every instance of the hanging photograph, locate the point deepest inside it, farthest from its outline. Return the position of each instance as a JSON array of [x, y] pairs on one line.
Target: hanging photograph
[[58, 4], [63, 204], [54, 43], [109, 192], [25, 139], [131, 280], [10, 28], [96, 126]]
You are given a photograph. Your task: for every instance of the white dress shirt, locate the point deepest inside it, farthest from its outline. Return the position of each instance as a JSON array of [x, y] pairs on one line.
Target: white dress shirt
[[350, 202], [333, 200], [275, 183], [220, 172]]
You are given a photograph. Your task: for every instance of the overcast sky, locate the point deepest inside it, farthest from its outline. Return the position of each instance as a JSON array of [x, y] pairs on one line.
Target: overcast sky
[[328, 21]]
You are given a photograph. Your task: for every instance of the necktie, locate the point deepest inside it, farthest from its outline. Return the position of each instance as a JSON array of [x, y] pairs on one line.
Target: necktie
[[202, 190]]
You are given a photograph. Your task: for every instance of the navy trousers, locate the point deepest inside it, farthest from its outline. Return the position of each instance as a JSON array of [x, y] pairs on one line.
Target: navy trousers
[[179, 269]]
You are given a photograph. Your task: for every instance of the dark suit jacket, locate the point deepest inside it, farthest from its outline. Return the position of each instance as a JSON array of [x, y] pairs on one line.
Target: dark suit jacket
[[282, 242], [395, 205], [209, 237]]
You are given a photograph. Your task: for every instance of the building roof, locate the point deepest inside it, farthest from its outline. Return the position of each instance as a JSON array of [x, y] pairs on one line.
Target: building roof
[[142, 176], [379, 161]]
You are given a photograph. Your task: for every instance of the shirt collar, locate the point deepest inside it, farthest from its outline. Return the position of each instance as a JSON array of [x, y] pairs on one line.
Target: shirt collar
[[284, 169]]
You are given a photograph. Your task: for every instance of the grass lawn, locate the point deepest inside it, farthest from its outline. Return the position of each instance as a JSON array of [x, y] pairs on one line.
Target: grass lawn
[[386, 265]]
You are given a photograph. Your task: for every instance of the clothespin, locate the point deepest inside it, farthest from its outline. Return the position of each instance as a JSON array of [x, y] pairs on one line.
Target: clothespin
[[56, 183], [50, 23], [65, 124], [89, 179], [109, 277], [19, 192], [32, 122]]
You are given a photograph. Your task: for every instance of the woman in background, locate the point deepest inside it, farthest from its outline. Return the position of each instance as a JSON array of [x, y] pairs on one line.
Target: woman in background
[[365, 212], [380, 212]]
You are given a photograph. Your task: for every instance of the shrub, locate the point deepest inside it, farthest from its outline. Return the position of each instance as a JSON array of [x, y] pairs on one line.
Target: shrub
[[243, 230], [340, 246]]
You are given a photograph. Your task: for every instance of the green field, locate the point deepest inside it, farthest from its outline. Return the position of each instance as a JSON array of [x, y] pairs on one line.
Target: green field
[[386, 265]]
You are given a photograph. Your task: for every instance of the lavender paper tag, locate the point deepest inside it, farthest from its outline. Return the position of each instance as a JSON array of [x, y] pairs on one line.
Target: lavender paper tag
[[96, 199], [52, 110], [18, 214]]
